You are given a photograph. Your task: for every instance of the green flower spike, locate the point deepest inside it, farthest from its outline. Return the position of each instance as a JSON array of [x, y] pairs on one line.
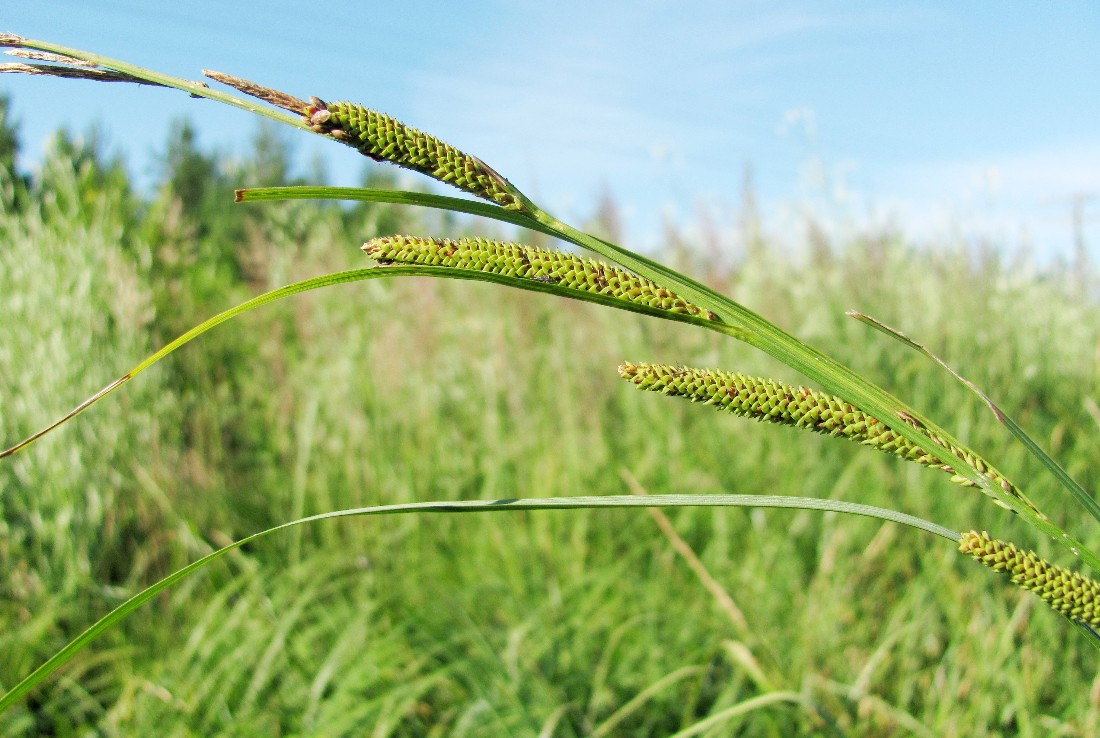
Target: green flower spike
[[1075, 596], [529, 262], [383, 138], [775, 402]]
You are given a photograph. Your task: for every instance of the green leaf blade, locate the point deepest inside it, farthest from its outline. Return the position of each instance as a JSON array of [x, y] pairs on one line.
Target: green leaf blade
[[112, 618], [1079, 493]]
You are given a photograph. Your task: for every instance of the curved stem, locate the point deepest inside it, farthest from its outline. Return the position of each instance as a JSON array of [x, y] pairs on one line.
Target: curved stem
[[738, 321], [831, 374], [355, 275], [465, 506], [196, 89]]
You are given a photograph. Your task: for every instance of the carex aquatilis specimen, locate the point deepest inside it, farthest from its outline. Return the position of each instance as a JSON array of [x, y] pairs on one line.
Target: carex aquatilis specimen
[[383, 138], [776, 402], [1075, 596], [529, 262]]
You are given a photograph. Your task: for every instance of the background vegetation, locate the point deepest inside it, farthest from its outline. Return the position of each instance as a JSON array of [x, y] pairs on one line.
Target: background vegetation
[[546, 623]]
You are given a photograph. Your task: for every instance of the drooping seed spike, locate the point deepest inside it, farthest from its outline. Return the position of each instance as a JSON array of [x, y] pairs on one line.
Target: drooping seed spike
[[1075, 596], [384, 138], [529, 262], [775, 402]]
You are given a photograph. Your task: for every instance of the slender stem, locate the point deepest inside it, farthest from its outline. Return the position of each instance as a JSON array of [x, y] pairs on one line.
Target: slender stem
[[1083, 497], [833, 376], [197, 89], [399, 197], [740, 323], [753, 329], [551, 503], [355, 275]]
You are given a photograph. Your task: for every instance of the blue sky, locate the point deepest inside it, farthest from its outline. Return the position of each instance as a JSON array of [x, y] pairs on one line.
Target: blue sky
[[950, 120]]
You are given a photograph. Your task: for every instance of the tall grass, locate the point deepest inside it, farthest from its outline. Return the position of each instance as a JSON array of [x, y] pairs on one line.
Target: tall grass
[[533, 623], [504, 625]]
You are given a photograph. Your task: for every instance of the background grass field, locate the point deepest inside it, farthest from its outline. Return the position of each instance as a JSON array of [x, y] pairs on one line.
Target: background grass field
[[543, 623]]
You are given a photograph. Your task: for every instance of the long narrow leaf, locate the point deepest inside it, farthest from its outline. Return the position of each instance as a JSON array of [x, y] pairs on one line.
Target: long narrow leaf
[[1080, 494], [195, 89], [398, 197], [743, 708], [466, 506], [356, 275], [754, 330], [831, 374]]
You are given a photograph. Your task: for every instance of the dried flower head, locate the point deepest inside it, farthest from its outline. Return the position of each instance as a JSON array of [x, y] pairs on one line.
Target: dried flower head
[[1075, 596], [384, 138], [529, 262]]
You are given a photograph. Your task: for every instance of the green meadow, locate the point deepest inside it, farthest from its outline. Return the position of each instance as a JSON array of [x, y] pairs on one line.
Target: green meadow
[[698, 621]]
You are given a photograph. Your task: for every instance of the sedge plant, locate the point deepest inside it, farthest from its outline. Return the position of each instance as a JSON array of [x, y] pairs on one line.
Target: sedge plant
[[848, 405]]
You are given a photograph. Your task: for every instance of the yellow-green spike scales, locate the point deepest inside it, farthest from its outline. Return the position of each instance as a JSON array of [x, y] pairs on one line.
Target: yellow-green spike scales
[[529, 262], [1075, 596], [775, 402], [384, 138]]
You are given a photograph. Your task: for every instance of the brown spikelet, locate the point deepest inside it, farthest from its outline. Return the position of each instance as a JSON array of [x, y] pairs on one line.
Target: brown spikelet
[[258, 91], [67, 72], [46, 56]]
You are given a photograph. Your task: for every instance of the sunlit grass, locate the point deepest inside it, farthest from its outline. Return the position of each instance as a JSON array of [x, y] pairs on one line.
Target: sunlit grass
[[369, 394], [588, 623]]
